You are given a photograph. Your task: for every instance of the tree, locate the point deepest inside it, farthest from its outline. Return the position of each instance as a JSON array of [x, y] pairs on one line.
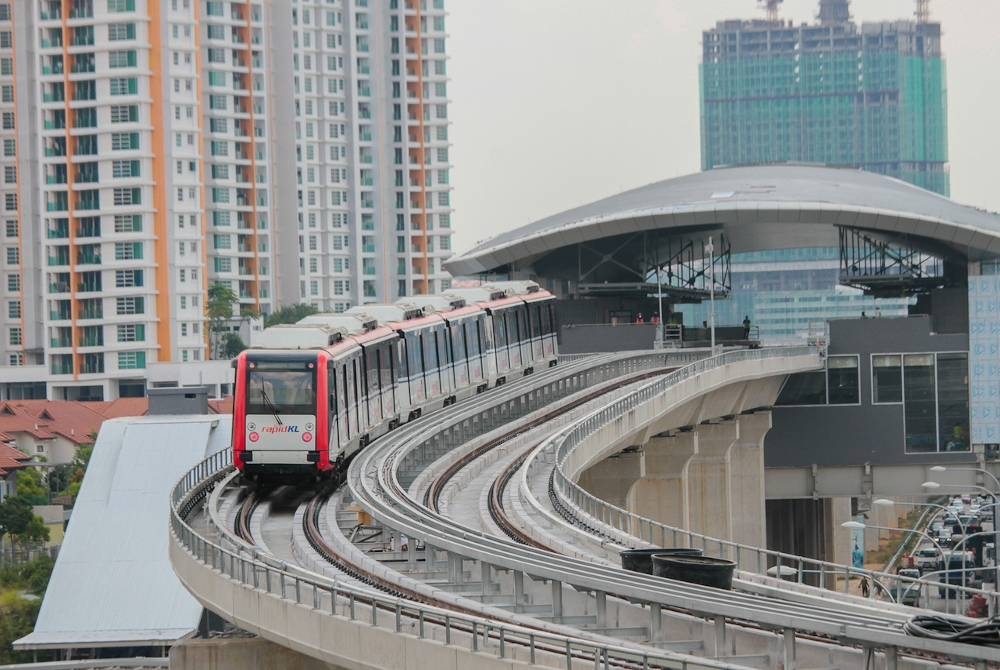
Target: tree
[[35, 533], [290, 314], [15, 516], [231, 345], [219, 310], [32, 487], [17, 619]]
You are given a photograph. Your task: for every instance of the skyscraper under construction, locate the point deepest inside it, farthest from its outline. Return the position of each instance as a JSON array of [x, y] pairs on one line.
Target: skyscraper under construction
[[835, 92]]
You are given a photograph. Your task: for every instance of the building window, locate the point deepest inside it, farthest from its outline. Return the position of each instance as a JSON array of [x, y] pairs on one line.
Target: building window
[[842, 380], [131, 360], [953, 401], [919, 412], [128, 278], [124, 141], [120, 59], [804, 388], [127, 196], [118, 32], [887, 378], [14, 309], [128, 223], [124, 113], [131, 332], [129, 305]]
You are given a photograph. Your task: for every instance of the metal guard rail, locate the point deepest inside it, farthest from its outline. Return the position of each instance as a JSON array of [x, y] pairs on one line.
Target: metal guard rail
[[310, 590], [748, 558]]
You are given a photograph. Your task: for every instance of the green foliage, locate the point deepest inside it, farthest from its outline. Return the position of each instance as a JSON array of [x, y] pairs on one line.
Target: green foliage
[[32, 576], [32, 487], [17, 619], [59, 478], [15, 516], [35, 533], [231, 345], [290, 314], [219, 310]]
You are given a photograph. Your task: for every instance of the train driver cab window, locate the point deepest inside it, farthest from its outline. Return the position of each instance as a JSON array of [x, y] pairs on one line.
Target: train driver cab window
[[281, 387]]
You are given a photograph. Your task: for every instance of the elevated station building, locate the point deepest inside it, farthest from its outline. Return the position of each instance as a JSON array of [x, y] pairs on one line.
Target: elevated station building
[[897, 395]]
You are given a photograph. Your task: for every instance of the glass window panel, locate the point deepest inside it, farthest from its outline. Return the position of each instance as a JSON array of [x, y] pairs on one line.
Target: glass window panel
[[887, 378], [842, 380], [953, 401], [919, 412], [805, 388]]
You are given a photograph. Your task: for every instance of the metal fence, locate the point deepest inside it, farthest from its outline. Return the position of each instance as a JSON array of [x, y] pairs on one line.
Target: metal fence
[[832, 576], [328, 597], [20, 556]]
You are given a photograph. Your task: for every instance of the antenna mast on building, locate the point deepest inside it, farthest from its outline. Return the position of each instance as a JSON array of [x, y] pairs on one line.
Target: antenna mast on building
[[771, 7], [923, 11]]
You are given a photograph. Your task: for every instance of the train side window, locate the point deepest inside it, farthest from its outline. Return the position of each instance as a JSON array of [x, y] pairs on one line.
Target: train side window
[[511, 318], [331, 375], [413, 361], [480, 337], [372, 362], [458, 349], [499, 330], [345, 396], [444, 354], [430, 354]]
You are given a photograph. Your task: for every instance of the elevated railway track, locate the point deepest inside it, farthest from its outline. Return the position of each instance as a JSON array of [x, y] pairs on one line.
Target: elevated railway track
[[500, 584]]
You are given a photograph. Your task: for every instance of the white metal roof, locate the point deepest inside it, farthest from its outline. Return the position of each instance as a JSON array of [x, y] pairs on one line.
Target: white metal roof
[[763, 207], [112, 584]]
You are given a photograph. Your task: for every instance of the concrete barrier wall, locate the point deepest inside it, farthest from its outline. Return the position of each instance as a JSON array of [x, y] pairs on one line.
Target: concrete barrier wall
[[590, 338]]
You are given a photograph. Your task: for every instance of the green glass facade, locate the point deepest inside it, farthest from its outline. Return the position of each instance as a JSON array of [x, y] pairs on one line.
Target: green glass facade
[[870, 96]]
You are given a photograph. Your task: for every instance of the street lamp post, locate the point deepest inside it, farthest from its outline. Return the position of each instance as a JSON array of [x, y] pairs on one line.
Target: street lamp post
[[710, 248], [659, 299]]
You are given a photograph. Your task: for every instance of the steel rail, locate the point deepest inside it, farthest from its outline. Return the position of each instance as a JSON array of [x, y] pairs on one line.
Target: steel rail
[[327, 597], [374, 482]]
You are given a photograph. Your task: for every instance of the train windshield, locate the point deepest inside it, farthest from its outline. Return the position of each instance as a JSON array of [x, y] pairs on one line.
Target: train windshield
[[281, 387]]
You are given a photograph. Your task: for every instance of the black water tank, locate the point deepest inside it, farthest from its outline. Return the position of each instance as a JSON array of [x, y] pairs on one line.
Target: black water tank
[[640, 560], [704, 570]]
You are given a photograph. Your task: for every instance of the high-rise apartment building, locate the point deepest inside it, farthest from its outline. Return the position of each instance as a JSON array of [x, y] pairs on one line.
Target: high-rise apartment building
[[869, 96], [293, 151], [371, 137]]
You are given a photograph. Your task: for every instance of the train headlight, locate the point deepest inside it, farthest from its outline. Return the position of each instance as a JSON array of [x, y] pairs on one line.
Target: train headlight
[[307, 437], [254, 437]]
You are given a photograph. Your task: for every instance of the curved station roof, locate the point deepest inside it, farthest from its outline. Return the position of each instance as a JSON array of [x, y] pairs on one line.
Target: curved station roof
[[758, 208]]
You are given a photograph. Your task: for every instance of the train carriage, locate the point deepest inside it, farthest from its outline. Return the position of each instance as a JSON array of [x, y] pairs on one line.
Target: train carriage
[[309, 395]]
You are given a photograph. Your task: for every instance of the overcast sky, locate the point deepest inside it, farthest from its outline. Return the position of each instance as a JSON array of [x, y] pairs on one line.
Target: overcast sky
[[556, 103]]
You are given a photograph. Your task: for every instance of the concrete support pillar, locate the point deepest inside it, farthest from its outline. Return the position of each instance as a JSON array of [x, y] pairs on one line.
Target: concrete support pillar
[[841, 546], [611, 479], [747, 480], [661, 493], [709, 474]]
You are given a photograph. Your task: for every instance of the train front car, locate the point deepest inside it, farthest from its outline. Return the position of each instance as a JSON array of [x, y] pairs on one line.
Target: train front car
[[280, 423]]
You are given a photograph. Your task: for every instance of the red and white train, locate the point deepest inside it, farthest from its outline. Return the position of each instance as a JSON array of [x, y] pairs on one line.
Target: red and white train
[[309, 395]]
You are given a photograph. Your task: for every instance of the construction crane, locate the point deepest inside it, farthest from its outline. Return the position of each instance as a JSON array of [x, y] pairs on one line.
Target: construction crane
[[771, 7], [923, 11]]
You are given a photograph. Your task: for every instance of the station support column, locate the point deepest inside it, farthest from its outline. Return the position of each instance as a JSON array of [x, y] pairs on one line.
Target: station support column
[[710, 501], [661, 493], [747, 480]]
